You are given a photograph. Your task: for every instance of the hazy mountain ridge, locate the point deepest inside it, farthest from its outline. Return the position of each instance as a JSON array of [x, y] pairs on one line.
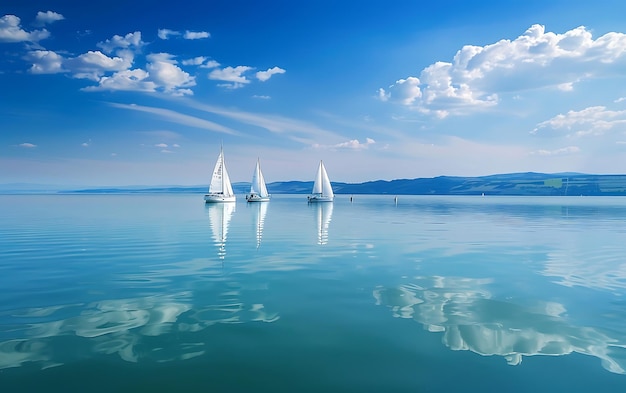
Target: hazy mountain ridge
[[527, 183]]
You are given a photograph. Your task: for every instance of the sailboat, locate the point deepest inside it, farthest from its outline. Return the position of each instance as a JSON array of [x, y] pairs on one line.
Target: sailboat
[[220, 189], [322, 190], [258, 189]]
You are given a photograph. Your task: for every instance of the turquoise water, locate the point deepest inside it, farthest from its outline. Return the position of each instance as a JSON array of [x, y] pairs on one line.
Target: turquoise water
[[131, 293]]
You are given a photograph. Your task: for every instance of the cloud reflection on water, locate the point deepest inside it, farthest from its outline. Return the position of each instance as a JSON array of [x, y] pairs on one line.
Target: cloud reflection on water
[[463, 310], [123, 326]]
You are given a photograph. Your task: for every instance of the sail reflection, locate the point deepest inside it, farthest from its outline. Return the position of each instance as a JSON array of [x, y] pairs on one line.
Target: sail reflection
[[220, 215], [470, 320], [260, 211], [323, 213]]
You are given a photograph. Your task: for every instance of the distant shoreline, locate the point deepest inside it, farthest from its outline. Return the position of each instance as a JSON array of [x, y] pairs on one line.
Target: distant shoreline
[[513, 184]]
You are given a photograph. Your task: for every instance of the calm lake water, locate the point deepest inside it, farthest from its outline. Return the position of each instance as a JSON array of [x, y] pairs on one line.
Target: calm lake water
[[128, 293]]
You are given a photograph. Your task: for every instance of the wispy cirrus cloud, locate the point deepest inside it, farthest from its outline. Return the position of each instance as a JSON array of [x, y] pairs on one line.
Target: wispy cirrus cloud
[[178, 118], [297, 130], [352, 144], [477, 75], [196, 35], [166, 34], [557, 152], [162, 134]]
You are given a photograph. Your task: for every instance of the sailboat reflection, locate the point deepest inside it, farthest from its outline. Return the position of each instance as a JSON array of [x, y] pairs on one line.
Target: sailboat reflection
[[323, 212], [219, 219], [260, 210]]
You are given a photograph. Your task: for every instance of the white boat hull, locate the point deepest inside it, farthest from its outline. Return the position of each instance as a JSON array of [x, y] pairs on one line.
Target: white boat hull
[[257, 198], [315, 198], [218, 198]]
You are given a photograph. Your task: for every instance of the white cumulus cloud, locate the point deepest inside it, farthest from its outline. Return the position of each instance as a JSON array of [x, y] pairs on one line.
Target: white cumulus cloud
[[128, 80], [91, 65], [266, 75], [94, 64], [48, 17], [11, 31], [27, 145], [477, 75], [165, 34], [234, 75], [194, 61], [129, 41], [201, 61], [167, 75], [45, 62], [210, 64]]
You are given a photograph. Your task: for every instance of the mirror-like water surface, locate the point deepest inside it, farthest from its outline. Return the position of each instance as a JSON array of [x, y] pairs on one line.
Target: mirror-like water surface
[[164, 293]]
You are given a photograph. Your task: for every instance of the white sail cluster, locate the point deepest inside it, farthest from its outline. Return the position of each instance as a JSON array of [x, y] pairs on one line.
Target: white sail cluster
[[221, 189]]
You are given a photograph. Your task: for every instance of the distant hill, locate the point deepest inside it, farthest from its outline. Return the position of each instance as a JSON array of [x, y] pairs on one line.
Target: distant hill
[[527, 183]]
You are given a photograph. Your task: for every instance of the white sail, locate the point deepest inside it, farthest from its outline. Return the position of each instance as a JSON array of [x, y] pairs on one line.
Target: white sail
[[258, 182], [219, 220], [227, 188], [322, 190], [215, 187], [258, 189], [220, 189]]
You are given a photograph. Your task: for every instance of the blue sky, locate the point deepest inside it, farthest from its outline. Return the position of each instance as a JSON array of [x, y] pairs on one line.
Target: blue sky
[[144, 93]]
